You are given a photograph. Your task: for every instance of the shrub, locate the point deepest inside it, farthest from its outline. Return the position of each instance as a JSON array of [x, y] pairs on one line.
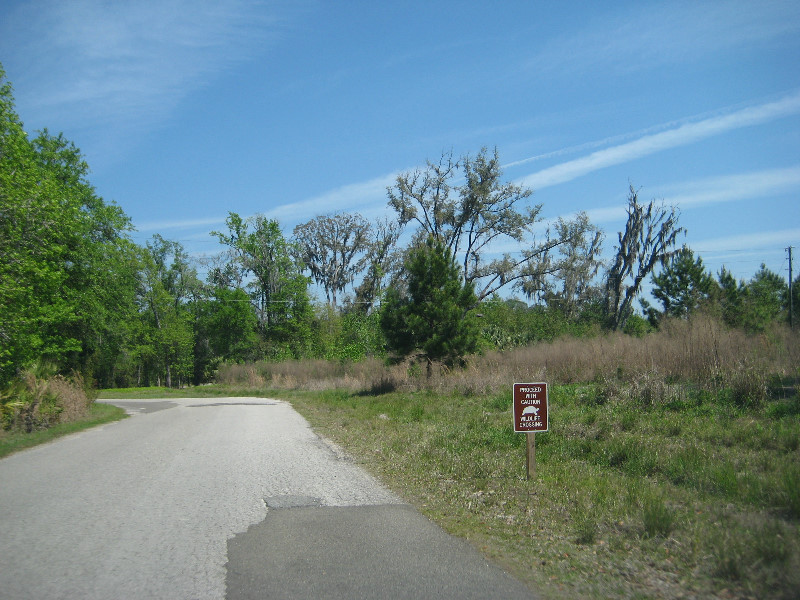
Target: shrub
[[35, 401], [687, 363], [649, 389]]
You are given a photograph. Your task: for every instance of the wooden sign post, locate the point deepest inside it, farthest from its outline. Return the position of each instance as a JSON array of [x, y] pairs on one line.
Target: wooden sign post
[[530, 456], [531, 417]]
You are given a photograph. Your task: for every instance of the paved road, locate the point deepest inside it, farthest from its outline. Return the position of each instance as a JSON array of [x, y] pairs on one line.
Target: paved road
[[218, 498]]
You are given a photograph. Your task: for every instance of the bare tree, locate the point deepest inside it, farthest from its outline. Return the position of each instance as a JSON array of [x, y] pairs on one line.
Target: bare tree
[[650, 232], [573, 269], [424, 196], [382, 260], [472, 219]]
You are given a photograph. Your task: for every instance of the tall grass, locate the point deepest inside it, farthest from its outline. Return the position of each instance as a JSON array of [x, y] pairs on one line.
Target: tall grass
[[701, 351]]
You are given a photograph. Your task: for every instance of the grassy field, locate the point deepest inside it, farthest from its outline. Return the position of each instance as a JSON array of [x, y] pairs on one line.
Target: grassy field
[[14, 441], [630, 501]]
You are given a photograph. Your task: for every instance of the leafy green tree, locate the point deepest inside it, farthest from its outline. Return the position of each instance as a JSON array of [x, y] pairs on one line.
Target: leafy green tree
[[226, 330], [25, 280], [433, 319], [167, 282], [683, 285], [650, 233], [110, 317], [60, 244], [347, 336], [637, 326], [95, 253], [506, 323], [279, 290], [509, 323]]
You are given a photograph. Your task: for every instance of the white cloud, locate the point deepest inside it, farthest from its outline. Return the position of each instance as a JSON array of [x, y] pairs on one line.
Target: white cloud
[[650, 34], [709, 190], [682, 135], [118, 68], [730, 188], [749, 241], [366, 197]]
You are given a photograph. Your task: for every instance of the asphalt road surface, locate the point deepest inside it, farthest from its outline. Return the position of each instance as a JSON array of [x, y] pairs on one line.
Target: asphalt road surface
[[218, 498]]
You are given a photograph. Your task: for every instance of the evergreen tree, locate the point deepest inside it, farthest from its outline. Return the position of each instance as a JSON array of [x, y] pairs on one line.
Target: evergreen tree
[[755, 304], [766, 300], [683, 285], [433, 319], [731, 298]]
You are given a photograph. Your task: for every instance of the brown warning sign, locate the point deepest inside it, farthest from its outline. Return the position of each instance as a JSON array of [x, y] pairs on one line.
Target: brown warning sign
[[530, 408]]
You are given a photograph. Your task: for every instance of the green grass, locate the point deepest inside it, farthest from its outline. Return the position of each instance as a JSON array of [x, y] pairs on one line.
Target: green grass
[[202, 391], [675, 500], [99, 414], [658, 519]]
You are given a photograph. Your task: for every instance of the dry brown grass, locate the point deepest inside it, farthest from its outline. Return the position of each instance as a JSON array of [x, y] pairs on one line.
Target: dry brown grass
[[70, 396], [700, 350], [40, 402]]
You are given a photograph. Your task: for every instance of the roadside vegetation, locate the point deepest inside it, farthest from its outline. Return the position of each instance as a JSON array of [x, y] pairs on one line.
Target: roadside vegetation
[[671, 468], [630, 501], [97, 414], [42, 405], [663, 475]]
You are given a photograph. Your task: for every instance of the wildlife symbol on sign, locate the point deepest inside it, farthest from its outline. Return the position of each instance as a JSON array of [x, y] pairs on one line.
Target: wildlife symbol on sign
[[530, 410]]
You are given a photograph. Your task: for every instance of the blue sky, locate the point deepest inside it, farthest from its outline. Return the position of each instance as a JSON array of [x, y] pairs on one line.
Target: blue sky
[[188, 109]]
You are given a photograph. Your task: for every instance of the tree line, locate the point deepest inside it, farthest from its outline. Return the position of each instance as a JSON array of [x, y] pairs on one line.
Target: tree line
[[465, 264]]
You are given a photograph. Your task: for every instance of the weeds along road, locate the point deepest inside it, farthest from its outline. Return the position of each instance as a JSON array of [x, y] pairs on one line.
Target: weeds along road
[[218, 498]]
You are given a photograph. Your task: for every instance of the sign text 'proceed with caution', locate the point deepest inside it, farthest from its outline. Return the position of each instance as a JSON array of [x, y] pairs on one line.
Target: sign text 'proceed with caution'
[[530, 407]]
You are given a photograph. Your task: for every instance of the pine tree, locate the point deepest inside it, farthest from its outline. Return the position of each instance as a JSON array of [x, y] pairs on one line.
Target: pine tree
[[433, 319], [683, 285]]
